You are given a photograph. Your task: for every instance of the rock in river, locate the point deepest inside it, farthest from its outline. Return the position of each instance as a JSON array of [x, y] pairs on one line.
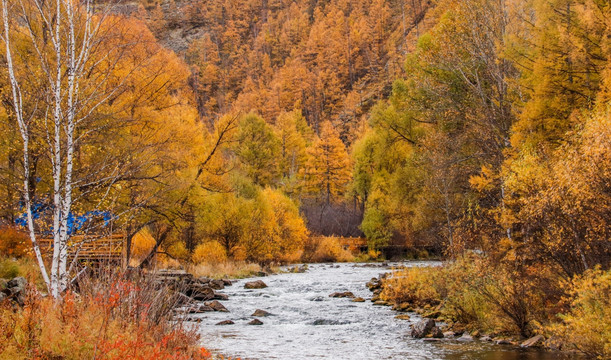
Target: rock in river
[[533, 341], [217, 284], [217, 306], [198, 309], [422, 328], [220, 296], [465, 337], [200, 292], [345, 294], [436, 333], [225, 322], [260, 313], [258, 284], [256, 322]]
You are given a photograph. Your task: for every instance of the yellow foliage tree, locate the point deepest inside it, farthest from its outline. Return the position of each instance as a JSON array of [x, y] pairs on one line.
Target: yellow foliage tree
[[327, 172]]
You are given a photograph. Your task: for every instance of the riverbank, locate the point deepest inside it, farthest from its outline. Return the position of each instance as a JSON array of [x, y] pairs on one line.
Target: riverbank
[[466, 300], [108, 317]]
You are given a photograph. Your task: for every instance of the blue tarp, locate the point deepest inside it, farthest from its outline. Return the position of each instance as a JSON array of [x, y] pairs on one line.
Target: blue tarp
[[75, 222]]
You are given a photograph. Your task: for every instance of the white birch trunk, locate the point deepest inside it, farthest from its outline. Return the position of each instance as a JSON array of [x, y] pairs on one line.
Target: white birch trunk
[[25, 135], [63, 72]]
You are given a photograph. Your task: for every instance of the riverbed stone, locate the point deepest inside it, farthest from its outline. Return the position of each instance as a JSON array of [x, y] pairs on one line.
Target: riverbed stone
[[217, 284], [257, 284], [203, 280], [198, 309], [533, 341], [260, 313], [503, 342], [225, 322], [486, 338], [402, 317], [374, 284], [220, 296], [449, 334], [216, 306], [255, 322], [358, 299], [436, 333], [200, 292], [422, 328], [345, 294], [465, 337]]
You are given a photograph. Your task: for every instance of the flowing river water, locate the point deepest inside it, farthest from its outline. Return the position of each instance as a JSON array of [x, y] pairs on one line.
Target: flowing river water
[[308, 324]]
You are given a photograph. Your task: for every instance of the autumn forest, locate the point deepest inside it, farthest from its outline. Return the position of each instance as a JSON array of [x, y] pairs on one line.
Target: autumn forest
[[227, 138]]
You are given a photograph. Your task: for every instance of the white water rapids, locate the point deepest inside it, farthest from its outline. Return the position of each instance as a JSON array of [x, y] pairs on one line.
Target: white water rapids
[[308, 324]]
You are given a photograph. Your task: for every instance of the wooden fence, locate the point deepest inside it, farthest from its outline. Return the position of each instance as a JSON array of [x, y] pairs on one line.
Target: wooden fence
[[94, 249]]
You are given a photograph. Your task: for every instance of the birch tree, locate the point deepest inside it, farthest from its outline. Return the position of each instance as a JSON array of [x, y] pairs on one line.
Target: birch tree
[[60, 70]]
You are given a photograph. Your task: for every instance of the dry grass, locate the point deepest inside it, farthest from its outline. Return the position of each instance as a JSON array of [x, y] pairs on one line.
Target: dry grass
[[228, 269], [112, 317]]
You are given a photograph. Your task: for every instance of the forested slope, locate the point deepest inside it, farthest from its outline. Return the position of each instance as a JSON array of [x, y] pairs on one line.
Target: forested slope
[[329, 59]]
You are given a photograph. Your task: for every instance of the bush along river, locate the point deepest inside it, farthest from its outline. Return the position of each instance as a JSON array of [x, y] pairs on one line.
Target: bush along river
[[294, 317]]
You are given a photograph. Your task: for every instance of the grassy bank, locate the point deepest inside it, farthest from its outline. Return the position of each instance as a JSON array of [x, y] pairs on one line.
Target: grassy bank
[[475, 294], [111, 317]]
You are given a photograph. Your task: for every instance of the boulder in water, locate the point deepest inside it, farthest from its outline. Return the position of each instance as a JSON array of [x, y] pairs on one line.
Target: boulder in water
[[225, 322], [220, 296], [436, 333], [345, 294], [329, 322], [198, 309], [533, 341], [200, 292], [465, 337], [216, 306], [261, 313], [217, 284], [422, 328], [258, 284], [255, 322]]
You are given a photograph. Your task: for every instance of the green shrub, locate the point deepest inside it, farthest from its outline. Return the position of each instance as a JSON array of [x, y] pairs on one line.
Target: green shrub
[[10, 269]]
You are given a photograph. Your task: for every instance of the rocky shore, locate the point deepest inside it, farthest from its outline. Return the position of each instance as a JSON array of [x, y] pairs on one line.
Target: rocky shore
[[433, 327], [200, 295]]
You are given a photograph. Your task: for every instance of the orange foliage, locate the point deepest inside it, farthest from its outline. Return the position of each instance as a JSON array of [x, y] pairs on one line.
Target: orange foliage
[[13, 243], [90, 326]]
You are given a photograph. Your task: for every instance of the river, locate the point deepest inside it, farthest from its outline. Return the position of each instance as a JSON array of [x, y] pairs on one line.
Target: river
[[308, 324]]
